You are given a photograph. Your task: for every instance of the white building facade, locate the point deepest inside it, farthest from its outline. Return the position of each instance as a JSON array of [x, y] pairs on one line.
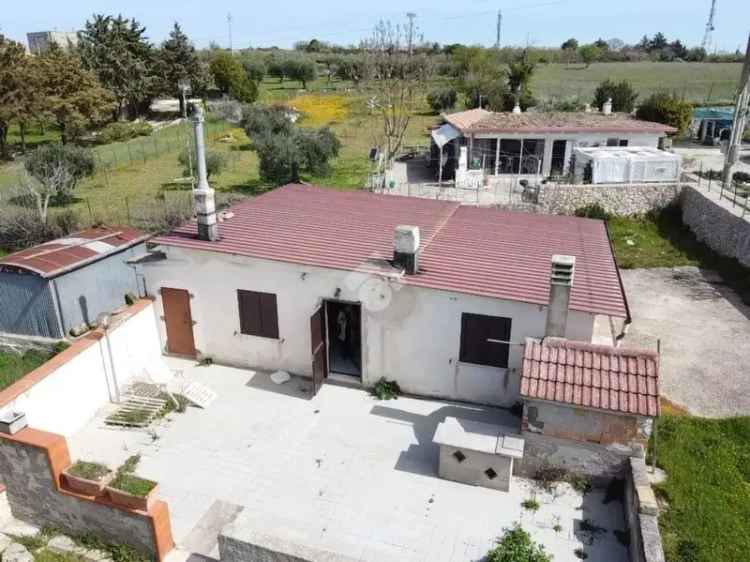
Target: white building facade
[[409, 334]]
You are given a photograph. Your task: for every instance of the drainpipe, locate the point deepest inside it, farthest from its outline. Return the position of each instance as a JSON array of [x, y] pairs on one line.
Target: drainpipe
[[628, 317]]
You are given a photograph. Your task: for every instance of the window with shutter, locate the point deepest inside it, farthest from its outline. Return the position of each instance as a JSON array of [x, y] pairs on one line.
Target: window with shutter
[[258, 314], [485, 340]]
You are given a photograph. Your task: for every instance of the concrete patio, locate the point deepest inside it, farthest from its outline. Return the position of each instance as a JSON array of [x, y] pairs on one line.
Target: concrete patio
[[342, 472]]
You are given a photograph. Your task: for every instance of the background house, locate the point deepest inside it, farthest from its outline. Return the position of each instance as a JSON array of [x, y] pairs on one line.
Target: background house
[[322, 283], [41, 41], [51, 288], [534, 143]]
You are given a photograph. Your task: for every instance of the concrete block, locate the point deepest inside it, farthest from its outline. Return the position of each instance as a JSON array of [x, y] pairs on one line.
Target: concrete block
[[646, 500], [5, 542], [63, 545], [16, 552]]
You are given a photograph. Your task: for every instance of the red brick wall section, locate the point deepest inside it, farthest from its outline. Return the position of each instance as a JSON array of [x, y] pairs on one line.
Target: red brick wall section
[[56, 449]]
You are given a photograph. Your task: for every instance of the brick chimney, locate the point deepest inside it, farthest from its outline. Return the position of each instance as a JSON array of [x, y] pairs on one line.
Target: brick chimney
[[203, 195], [406, 248], [561, 283]]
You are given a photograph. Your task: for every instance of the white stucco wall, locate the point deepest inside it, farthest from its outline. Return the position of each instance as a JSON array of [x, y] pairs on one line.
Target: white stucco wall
[[409, 334], [66, 399]]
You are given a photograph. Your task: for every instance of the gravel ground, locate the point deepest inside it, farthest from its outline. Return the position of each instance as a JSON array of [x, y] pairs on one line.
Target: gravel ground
[[704, 330]]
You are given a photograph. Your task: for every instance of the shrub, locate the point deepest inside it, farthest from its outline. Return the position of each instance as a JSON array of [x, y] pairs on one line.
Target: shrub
[[622, 94], [531, 504], [59, 167], [216, 162], [516, 545], [593, 211], [667, 109], [122, 131], [21, 228], [548, 475], [386, 390], [441, 99]]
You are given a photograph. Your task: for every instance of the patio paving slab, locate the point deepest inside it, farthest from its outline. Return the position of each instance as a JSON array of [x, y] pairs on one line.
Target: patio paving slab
[[342, 472]]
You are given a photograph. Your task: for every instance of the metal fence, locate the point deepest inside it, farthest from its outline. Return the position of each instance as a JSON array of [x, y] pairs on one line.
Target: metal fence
[[737, 193]]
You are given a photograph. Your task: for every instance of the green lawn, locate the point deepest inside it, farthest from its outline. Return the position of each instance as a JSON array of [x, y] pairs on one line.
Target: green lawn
[[707, 488], [662, 240], [13, 366]]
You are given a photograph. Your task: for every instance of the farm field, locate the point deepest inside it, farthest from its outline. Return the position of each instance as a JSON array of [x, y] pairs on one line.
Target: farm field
[[698, 82]]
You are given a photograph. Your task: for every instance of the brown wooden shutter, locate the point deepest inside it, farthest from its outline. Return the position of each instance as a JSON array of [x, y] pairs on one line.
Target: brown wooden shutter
[[249, 305], [269, 315]]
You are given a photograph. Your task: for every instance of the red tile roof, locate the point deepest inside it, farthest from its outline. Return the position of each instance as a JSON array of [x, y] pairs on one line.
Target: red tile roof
[[482, 121], [472, 250], [59, 256], [594, 376]]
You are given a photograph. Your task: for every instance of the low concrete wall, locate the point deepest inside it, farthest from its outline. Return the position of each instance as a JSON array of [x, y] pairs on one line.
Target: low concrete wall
[[597, 462], [240, 542], [616, 199], [641, 514], [716, 223], [31, 464], [64, 394]]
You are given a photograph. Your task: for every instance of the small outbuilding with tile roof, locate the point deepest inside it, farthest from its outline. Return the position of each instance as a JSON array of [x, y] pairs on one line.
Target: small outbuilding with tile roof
[[588, 392], [51, 288]]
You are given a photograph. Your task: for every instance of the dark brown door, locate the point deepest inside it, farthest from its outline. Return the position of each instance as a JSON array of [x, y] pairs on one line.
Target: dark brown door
[[179, 321], [319, 354]]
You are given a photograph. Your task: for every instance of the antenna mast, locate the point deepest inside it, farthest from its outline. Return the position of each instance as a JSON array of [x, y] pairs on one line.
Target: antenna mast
[[411, 16], [499, 28], [229, 27], [706, 44]]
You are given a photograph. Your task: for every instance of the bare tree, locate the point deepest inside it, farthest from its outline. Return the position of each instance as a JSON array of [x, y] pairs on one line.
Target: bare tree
[[395, 81], [51, 180]]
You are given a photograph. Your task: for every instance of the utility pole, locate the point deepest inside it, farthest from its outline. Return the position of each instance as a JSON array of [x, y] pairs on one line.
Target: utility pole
[[229, 27], [499, 28], [411, 16], [738, 123]]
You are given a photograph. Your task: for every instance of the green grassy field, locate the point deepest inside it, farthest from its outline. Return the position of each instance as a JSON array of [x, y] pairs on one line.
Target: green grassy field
[[698, 82], [707, 490]]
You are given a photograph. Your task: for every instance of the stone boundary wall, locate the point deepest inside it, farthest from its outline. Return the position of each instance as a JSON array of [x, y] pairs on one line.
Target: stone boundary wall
[[86, 373], [598, 462], [721, 228], [31, 466], [616, 199], [642, 514]]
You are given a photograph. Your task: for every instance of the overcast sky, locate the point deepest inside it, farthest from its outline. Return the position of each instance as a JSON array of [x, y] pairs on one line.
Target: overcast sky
[[264, 23]]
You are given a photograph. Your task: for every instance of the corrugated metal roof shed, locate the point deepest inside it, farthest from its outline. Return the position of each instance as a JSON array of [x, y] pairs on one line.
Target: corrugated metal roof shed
[[64, 254], [470, 250]]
